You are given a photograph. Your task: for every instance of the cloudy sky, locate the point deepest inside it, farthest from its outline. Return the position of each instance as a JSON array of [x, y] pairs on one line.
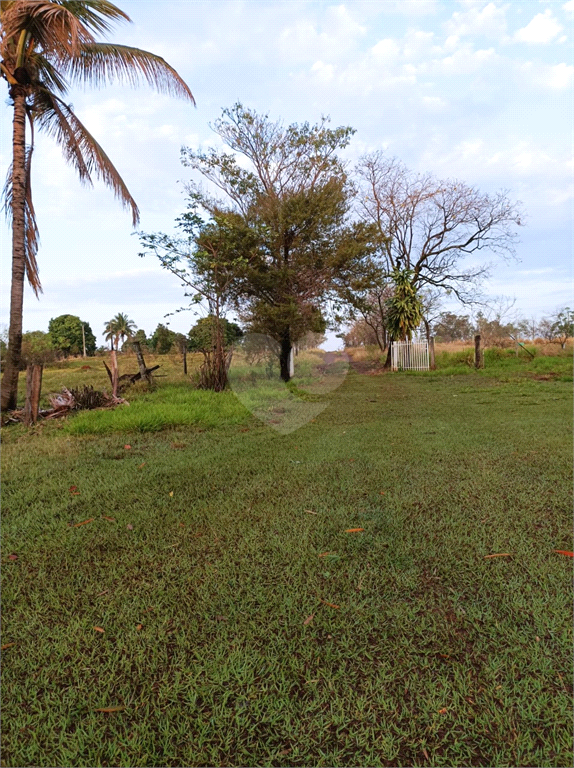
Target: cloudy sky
[[467, 89]]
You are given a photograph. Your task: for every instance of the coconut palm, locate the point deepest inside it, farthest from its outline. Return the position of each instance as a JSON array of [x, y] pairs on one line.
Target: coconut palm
[[46, 46], [110, 332], [124, 327]]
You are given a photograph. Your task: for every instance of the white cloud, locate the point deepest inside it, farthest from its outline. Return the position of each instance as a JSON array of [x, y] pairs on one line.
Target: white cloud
[[557, 77], [569, 6], [331, 39], [489, 20], [543, 28]]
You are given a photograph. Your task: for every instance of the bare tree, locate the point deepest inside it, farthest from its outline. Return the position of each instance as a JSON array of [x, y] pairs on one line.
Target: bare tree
[[430, 226]]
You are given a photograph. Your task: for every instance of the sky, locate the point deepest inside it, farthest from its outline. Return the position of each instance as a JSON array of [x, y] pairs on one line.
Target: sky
[[467, 89]]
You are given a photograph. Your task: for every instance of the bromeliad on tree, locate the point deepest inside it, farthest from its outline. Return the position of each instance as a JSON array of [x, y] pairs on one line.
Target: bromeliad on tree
[[46, 46]]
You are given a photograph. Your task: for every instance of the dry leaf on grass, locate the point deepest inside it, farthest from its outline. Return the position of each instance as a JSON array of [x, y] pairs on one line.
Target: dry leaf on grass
[[310, 512], [171, 493], [111, 519], [84, 522], [139, 626], [426, 754], [499, 554], [109, 709], [6, 645], [141, 465], [443, 711], [564, 552], [130, 527], [128, 447], [308, 620], [99, 629], [12, 557], [331, 605], [324, 554], [354, 530]]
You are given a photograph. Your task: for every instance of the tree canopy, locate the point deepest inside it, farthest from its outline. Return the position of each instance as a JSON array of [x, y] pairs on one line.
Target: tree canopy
[[65, 333]]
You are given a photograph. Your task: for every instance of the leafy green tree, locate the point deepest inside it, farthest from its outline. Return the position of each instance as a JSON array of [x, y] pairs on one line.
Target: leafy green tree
[[203, 333], [162, 340], [37, 348], [453, 327], [288, 214], [66, 335], [139, 336], [404, 308], [563, 326], [45, 46]]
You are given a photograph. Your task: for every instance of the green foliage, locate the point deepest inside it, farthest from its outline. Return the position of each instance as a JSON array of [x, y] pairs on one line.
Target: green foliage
[[37, 348], [404, 308], [563, 326], [162, 340], [202, 335], [119, 328], [140, 336], [66, 335], [452, 327]]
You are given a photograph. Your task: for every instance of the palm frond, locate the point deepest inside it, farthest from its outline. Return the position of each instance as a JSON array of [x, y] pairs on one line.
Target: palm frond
[[100, 63], [79, 147], [53, 27], [94, 13], [46, 72], [31, 234]]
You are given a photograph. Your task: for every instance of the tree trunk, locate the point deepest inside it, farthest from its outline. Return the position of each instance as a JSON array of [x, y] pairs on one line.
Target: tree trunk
[[477, 352], [115, 376], [33, 391], [284, 356], [14, 352], [185, 362], [387, 364]]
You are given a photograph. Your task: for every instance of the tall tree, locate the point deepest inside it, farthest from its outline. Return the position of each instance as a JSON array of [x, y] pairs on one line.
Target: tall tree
[[67, 334], [295, 199], [46, 46], [431, 225], [123, 327]]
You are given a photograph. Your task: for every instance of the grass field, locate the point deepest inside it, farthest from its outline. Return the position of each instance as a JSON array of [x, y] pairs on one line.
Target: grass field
[[244, 625]]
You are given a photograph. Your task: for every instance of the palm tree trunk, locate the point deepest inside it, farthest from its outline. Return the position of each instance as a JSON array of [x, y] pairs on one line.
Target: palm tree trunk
[[10, 378]]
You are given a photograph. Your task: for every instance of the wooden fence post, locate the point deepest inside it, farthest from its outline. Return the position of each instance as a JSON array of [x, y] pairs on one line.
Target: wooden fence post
[[114, 361], [33, 390], [145, 376], [477, 352]]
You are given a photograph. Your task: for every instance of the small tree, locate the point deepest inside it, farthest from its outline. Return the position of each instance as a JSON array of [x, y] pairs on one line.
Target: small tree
[[37, 349], [563, 326], [66, 335], [404, 309], [452, 327], [162, 340]]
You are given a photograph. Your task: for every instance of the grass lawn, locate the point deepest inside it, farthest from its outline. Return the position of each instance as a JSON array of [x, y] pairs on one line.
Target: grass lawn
[[243, 625]]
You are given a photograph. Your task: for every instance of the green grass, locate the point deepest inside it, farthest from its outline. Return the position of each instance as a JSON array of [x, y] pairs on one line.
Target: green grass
[[436, 656]]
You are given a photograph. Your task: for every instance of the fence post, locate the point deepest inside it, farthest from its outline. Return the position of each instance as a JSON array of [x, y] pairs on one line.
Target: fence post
[[144, 375], [114, 361], [431, 354], [33, 390], [477, 353]]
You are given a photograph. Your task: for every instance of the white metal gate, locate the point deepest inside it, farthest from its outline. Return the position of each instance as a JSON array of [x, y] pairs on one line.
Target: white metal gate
[[410, 356]]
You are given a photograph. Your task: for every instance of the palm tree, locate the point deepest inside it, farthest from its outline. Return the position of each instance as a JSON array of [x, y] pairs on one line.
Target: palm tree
[[46, 46], [124, 327], [110, 331]]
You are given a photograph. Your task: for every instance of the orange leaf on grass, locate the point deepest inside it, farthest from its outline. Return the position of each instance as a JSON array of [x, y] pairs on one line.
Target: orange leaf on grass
[[331, 605], [127, 447], [109, 709], [111, 519], [99, 629], [141, 465], [564, 552], [84, 522], [12, 557], [354, 530], [443, 711], [6, 645], [139, 626], [499, 554], [324, 554], [308, 620]]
